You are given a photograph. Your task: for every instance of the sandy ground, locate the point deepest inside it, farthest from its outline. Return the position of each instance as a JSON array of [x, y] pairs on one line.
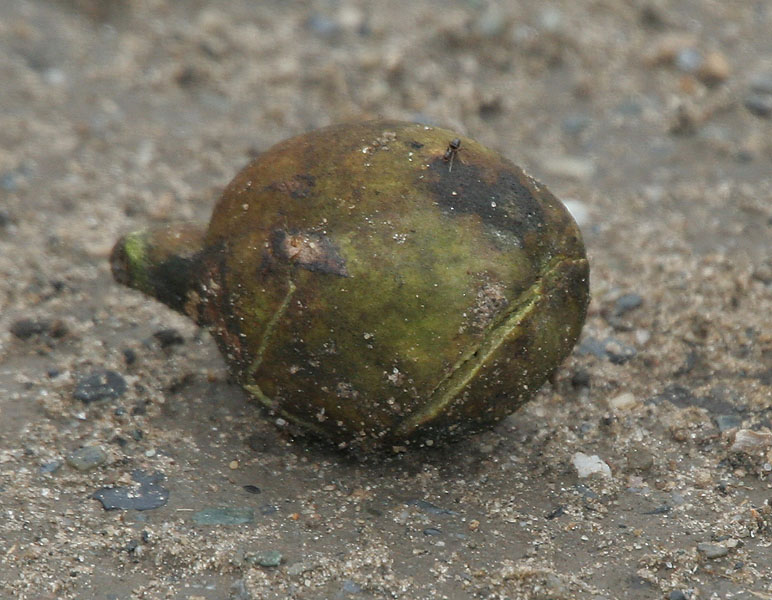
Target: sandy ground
[[650, 118]]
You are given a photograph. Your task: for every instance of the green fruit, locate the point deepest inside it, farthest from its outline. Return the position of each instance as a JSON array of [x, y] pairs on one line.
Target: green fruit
[[378, 282]]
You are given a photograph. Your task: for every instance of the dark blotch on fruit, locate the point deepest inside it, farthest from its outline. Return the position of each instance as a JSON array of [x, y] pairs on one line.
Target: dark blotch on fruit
[[504, 204]]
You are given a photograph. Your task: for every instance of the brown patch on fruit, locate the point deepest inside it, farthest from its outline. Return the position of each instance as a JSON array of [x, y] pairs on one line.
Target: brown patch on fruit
[[311, 251]]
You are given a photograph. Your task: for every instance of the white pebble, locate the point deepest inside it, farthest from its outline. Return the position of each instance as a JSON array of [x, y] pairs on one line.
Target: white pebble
[[588, 465], [624, 401]]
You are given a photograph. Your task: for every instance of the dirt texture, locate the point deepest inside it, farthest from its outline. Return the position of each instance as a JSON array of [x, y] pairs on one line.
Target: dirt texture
[[643, 470]]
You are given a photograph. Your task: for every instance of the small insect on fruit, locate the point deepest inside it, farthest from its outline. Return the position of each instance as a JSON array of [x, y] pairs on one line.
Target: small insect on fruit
[[453, 147], [362, 293]]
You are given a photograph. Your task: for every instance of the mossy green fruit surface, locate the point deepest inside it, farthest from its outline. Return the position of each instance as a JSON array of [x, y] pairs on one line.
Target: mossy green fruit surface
[[379, 282]]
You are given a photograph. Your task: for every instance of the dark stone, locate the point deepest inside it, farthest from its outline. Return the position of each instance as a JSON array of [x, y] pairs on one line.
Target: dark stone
[[716, 402], [428, 507], [129, 356], [581, 378], [677, 595], [252, 489], [26, 328], [148, 496], [168, 337], [677, 395], [100, 385], [58, 329], [637, 582], [759, 104], [555, 513], [51, 467], [432, 531]]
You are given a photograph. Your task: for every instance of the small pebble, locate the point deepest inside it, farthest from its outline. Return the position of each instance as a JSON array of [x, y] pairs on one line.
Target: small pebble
[[642, 336], [100, 385], [432, 531], [714, 69], [252, 489], [712, 551], [51, 467], [688, 60], [586, 465], [677, 595], [626, 303], [624, 401], [639, 458], [727, 422], [672, 47], [350, 587], [266, 558], [430, 508], [224, 516], [86, 458]]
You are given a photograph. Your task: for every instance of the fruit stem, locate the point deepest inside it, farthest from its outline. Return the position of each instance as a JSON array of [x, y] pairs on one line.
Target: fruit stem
[[161, 262]]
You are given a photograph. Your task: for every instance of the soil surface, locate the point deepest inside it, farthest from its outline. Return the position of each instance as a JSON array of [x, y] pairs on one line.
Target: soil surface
[[651, 120]]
